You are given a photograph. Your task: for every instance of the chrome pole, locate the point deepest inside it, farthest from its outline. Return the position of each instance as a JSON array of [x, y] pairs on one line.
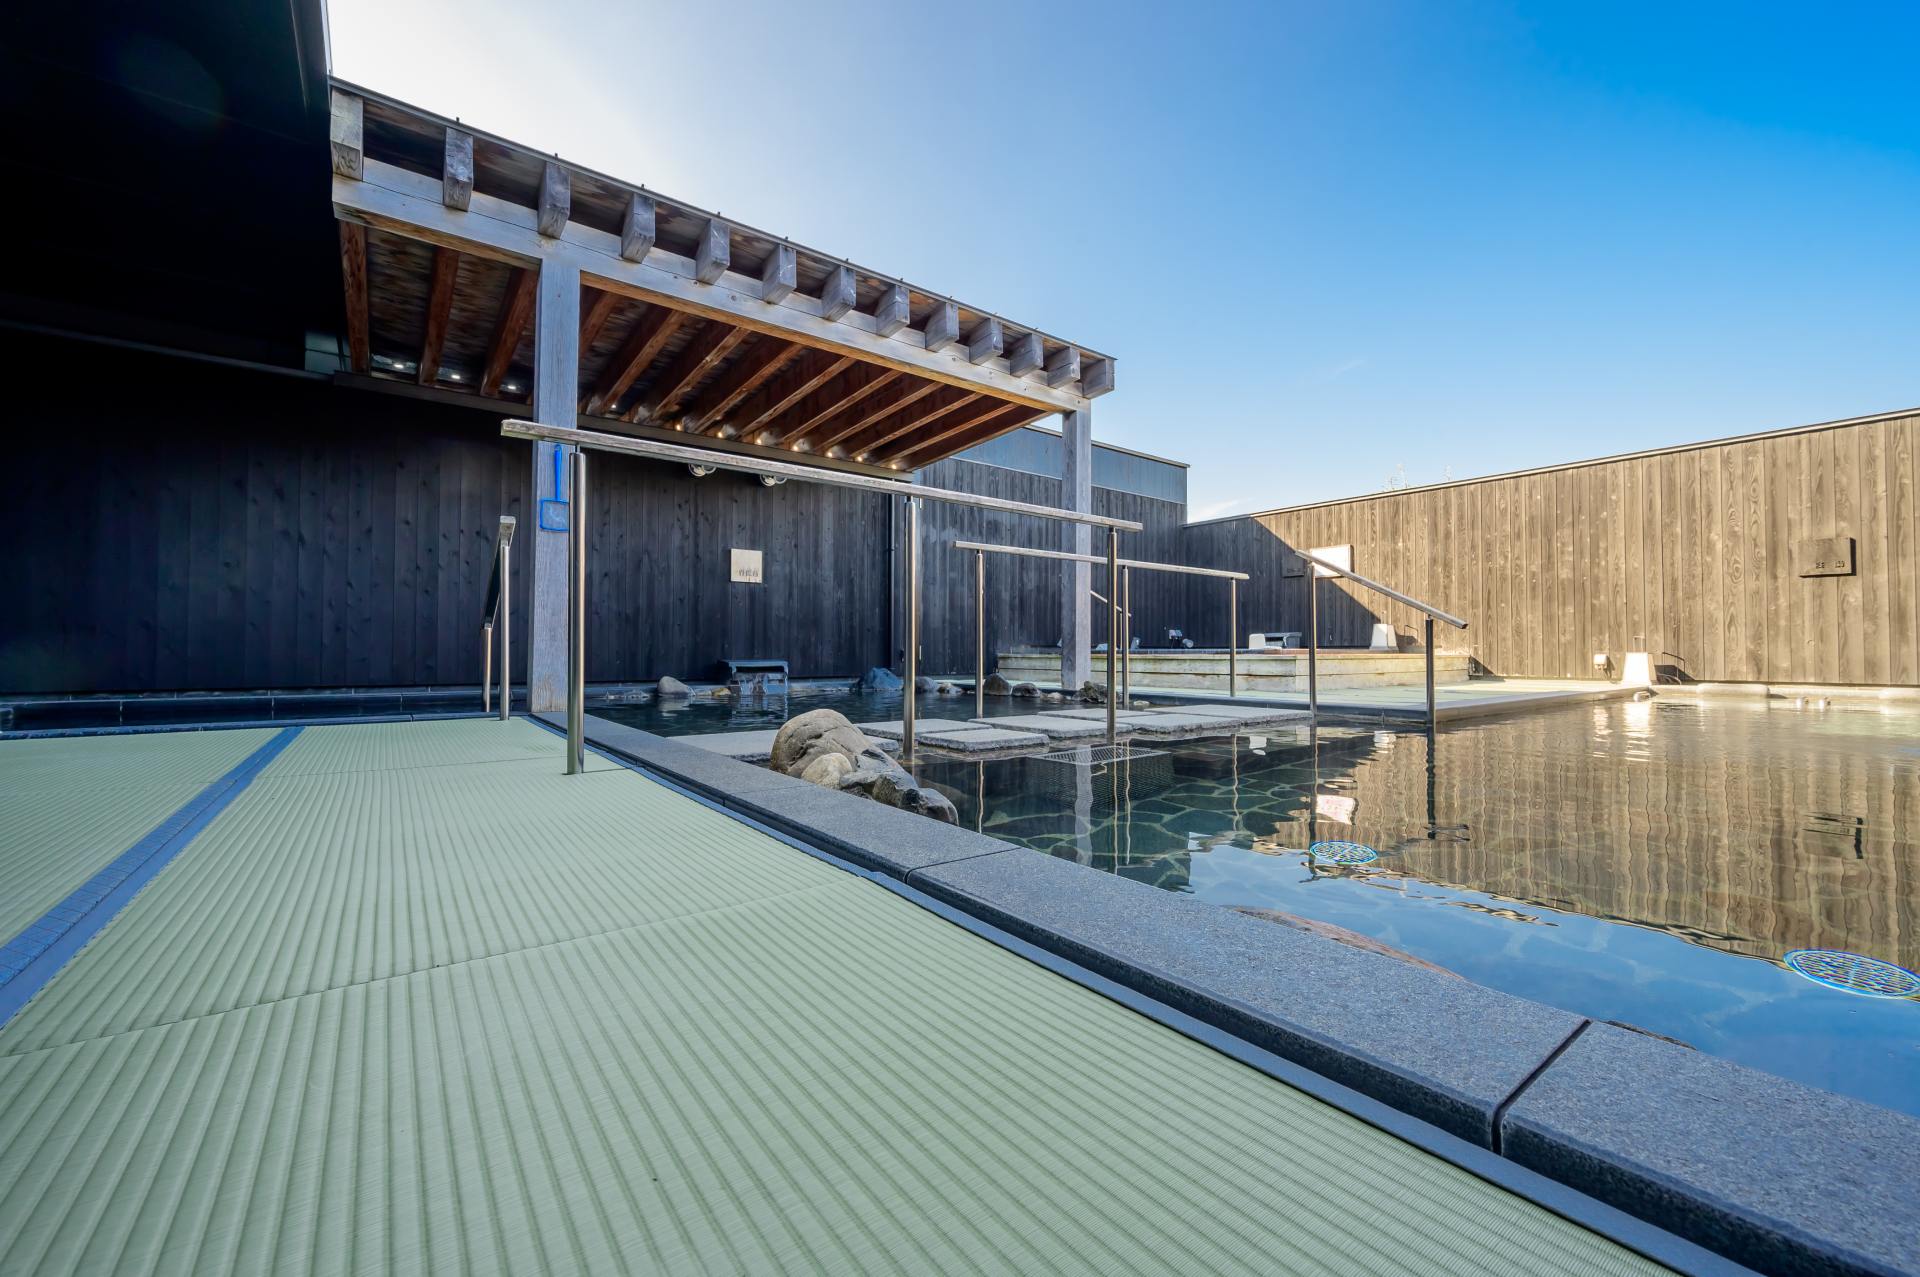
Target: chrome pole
[[1126, 634], [913, 629], [1313, 642], [1113, 627], [1431, 716], [506, 636], [980, 634], [486, 668], [577, 616], [1233, 635]]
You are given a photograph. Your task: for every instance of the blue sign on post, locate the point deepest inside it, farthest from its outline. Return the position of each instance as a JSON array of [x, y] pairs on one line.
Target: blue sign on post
[[553, 510]]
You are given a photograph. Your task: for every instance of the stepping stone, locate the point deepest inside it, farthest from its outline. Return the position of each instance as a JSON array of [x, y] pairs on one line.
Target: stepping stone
[[1057, 726], [961, 738], [1093, 712], [1238, 713]]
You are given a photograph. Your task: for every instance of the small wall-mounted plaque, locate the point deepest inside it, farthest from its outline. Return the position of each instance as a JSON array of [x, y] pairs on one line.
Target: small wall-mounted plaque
[[748, 566], [1826, 556]]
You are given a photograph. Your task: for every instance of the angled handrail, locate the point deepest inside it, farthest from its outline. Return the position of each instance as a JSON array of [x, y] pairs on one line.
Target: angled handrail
[[1313, 627]]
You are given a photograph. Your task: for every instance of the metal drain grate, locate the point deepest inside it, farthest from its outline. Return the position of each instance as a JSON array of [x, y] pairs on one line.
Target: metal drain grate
[[1098, 755], [1343, 853], [1854, 973]]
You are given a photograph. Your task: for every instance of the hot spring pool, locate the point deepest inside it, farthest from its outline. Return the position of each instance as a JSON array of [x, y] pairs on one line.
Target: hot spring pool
[[1651, 862]]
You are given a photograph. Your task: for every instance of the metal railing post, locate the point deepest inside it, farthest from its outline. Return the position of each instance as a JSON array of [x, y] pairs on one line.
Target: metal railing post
[[1431, 716], [486, 668], [913, 630], [1126, 635], [979, 633], [1233, 636], [577, 617], [1113, 627], [506, 633], [1313, 642]]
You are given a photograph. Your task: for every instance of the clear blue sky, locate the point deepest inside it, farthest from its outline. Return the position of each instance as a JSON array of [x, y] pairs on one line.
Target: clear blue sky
[[1327, 242]]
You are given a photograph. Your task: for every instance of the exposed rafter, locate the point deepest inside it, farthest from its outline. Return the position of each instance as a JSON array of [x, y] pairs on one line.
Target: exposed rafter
[[790, 388], [959, 435], [595, 315], [456, 170], [943, 326], [715, 253], [742, 377], [908, 390], [637, 228], [780, 274], [985, 341], [1026, 354], [635, 356], [915, 417], [824, 407], [446, 269], [837, 294], [556, 200], [708, 347], [893, 312], [515, 310]]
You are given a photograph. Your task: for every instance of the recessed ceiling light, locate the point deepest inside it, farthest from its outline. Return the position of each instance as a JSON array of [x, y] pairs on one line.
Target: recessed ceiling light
[[453, 376]]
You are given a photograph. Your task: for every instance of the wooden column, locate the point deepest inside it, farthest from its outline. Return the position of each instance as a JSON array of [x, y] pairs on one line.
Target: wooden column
[[1076, 579], [556, 393]]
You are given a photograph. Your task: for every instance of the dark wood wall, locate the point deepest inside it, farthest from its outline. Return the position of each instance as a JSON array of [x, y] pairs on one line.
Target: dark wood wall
[[1688, 554], [179, 526], [1023, 595]]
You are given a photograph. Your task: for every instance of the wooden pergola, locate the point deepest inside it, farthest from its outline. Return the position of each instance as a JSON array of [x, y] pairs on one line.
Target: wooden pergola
[[689, 326]]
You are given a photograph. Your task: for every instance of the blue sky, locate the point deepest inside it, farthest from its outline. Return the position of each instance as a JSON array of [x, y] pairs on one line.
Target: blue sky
[[1330, 244]]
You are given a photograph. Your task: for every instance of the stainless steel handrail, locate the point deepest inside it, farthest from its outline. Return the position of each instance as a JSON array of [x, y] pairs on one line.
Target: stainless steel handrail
[[581, 440], [1313, 626], [1118, 570], [496, 616]]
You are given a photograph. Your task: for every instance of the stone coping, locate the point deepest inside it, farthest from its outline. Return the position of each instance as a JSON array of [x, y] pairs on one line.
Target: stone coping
[[1754, 1167]]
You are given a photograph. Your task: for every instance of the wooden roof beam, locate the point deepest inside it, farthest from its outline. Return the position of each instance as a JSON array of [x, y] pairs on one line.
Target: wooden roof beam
[[791, 387], [986, 341], [556, 200], [515, 310], [746, 374], [1064, 368], [715, 253], [893, 312], [634, 357], [708, 347], [874, 408], [1096, 377], [1025, 355], [943, 327], [838, 294], [781, 273], [446, 268], [353, 277], [826, 404], [916, 417], [346, 133], [637, 228]]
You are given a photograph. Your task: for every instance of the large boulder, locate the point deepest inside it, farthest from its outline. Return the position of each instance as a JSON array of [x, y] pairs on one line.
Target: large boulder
[[877, 679], [922, 684], [827, 770], [1092, 693], [1026, 691], [946, 689], [817, 732], [997, 686], [885, 781], [672, 689]]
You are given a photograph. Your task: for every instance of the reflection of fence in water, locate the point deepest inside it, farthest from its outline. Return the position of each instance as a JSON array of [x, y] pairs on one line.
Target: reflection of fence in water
[[1569, 811]]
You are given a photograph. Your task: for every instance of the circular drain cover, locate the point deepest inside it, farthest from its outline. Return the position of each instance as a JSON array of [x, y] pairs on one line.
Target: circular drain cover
[[1343, 853], [1854, 973]]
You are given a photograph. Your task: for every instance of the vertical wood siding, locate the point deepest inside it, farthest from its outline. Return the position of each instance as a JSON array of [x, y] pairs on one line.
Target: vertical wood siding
[[1685, 554]]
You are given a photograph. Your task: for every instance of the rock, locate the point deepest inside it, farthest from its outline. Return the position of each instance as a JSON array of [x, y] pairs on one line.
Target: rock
[[828, 770], [808, 736], [946, 689], [670, 688], [922, 684], [1026, 691], [885, 781], [877, 679], [1054, 698], [998, 686], [1344, 936], [721, 693], [1092, 693]]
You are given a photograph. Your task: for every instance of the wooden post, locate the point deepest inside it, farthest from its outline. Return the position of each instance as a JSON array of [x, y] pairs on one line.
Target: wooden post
[[556, 376], [1076, 579]]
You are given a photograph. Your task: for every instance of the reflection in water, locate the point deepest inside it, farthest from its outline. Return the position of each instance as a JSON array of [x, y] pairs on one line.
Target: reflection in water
[[1513, 851]]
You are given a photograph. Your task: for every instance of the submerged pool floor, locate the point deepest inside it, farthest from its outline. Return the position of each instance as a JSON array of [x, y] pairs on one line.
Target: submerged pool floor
[[1651, 862], [416, 1001]]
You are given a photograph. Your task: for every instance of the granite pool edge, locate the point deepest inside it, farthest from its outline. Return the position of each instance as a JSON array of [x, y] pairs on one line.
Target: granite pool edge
[[1668, 1157]]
